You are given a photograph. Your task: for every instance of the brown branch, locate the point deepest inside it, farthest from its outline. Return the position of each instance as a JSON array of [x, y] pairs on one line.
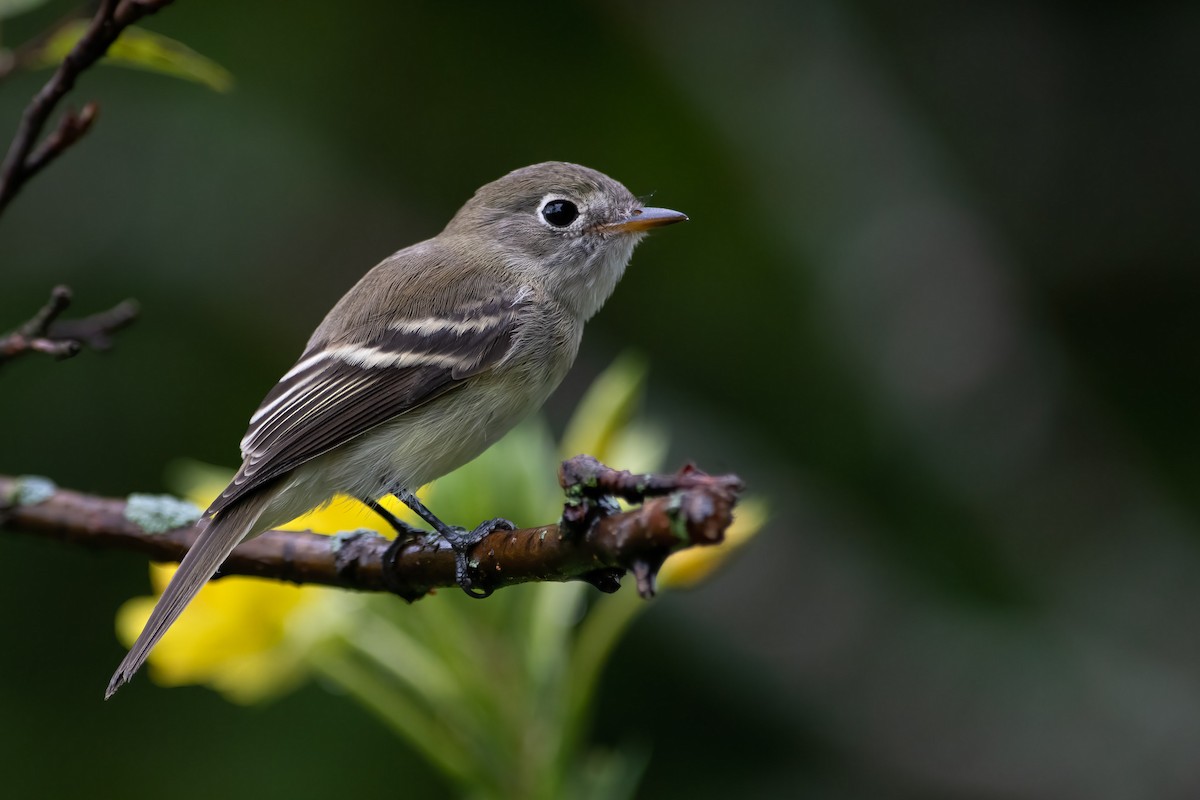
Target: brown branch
[[25, 158], [692, 509], [45, 333]]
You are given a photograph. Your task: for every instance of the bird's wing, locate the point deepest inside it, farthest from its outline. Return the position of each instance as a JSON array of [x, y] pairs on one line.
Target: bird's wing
[[339, 391]]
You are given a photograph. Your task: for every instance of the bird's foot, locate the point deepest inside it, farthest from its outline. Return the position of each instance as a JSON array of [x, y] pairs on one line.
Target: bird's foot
[[461, 541]]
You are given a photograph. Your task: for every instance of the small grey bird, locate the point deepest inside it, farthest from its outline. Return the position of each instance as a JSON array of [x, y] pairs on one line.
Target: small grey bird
[[431, 357]]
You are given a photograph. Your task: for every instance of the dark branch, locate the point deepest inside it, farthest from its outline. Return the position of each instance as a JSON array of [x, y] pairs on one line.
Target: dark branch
[[25, 157], [44, 333], [71, 129], [693, 509]]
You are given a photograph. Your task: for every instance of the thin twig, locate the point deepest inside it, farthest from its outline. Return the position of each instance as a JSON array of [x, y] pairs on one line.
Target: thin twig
[[70, 129], [44, 333], [696, 513], [95, 331], [25, 158]]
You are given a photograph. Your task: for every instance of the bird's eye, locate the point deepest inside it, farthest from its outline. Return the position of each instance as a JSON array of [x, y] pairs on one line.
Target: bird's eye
[[560, 213]]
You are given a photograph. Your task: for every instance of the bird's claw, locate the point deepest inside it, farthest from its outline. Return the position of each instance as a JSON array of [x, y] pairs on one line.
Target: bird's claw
[[462, 541]]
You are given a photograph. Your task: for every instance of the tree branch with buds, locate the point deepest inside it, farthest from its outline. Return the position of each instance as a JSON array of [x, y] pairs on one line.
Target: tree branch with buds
[[592, 541]]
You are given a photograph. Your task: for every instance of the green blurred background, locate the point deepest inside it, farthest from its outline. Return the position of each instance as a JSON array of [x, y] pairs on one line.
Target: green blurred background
[[937, 302]]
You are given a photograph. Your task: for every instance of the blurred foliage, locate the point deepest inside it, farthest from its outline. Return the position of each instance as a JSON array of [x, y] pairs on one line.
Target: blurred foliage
[[138, 48], [937, 300], [11, 8]]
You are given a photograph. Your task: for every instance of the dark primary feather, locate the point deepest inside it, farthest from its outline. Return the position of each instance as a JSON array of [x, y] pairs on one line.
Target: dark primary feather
[[332, 400]]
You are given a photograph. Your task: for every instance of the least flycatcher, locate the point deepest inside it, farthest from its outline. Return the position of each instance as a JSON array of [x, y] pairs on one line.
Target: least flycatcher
[[430, 358]]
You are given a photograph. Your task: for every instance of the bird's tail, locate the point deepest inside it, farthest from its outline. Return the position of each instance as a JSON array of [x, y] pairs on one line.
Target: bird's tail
[[212, 547]]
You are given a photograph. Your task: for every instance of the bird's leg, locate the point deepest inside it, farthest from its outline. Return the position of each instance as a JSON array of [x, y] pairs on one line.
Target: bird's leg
[[460, 540], [403, 530]]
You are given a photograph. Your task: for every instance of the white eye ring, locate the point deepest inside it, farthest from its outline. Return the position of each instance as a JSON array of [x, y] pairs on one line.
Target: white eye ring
[[558, 212]]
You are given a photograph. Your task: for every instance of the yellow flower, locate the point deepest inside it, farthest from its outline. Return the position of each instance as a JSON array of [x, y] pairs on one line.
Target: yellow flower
[[232, 636], [244, 637], [694, 565]]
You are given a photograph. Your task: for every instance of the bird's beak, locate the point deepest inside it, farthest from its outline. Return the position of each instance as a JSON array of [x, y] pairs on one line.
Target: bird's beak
[[643, 219]]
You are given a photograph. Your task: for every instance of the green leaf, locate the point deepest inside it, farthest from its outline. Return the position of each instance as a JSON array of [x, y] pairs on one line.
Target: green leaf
[[11, 8], [140, 49], [607, 408]]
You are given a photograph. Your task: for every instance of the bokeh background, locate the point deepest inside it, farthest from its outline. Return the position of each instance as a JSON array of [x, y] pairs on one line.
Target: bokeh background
[[938, 302]]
